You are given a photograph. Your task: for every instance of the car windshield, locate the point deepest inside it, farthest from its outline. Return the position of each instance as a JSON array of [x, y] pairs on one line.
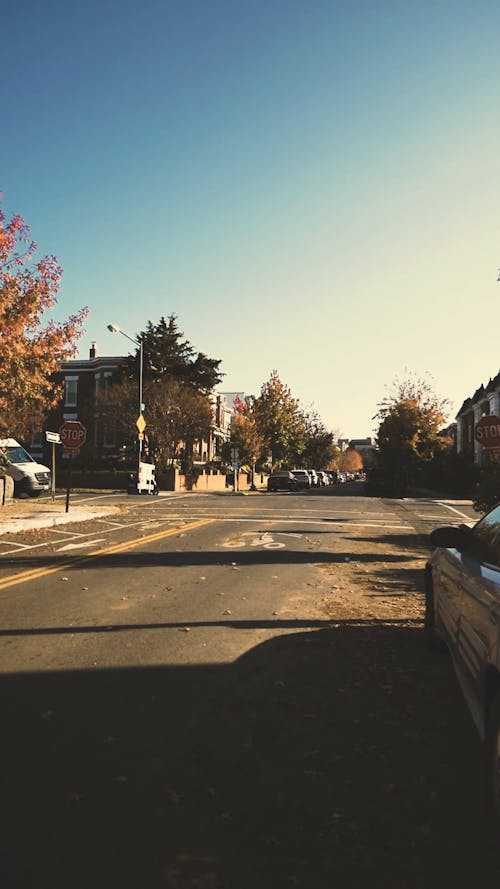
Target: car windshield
[[17, 454]]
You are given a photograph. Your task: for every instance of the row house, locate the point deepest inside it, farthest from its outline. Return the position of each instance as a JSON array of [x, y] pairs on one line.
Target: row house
[[84, 379], [484, 402]]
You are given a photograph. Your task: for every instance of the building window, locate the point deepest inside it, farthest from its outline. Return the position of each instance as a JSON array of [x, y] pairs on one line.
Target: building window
[[71, 391]]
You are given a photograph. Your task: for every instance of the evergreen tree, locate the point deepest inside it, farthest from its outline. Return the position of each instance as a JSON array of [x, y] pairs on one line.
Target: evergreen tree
[[167, 354]]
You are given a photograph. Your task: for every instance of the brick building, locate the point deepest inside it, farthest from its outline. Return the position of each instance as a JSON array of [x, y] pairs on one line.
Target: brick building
[[84, 379]]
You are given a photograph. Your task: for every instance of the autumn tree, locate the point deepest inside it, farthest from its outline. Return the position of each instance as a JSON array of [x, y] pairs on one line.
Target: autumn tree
[[279, 421], [175, 414], [350, 460], [244, 434], [410, 422], [319, 451], [30, 352]]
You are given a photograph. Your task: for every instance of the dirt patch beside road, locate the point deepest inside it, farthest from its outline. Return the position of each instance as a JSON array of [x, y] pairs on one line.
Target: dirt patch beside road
[[378, 578]]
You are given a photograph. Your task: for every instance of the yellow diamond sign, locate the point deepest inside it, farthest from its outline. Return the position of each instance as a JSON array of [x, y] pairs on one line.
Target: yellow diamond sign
[[140, 423]]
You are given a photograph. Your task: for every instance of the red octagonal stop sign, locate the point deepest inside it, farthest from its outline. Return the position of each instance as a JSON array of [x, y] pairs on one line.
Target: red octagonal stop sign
[[73, 434], [487, 431]]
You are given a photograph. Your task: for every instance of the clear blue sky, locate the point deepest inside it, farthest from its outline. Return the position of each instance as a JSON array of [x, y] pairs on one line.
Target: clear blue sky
[[310, 186]]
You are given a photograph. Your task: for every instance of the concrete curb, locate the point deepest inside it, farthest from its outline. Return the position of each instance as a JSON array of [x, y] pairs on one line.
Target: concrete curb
[[30, 522]]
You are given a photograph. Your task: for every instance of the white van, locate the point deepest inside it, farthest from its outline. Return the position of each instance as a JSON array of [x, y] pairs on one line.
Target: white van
[[30, 477]]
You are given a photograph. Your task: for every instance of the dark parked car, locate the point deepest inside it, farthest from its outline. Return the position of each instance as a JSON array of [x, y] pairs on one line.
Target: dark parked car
[[382, 484], [282, 481], [463, 610]]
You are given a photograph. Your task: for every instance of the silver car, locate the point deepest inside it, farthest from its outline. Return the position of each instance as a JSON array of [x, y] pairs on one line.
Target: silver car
[[302, 478], [462, 597]]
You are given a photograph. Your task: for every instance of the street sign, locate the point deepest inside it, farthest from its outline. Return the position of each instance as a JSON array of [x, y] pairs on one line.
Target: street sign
[[53, 437], [140, 423], [73, 435], [487, 431]]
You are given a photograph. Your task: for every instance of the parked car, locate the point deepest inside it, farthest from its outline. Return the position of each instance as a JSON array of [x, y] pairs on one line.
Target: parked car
[[282, 480], [324, 479], [462, 609], [30, 477], [302, 478], [379, 483]]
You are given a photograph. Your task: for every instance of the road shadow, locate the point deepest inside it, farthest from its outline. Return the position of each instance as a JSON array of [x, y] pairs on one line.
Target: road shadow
[[230, 557], [420, 543], [337, 756]]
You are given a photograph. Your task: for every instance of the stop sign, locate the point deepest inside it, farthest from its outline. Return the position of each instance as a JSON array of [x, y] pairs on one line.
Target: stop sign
[[488, 431], [73, 434]]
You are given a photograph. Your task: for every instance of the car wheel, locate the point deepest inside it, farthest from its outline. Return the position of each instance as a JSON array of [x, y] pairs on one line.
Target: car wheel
[[492, 770], [433, 640]]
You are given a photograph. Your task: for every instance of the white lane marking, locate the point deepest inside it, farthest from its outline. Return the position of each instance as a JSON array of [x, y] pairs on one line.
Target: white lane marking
[[457, 511], [72, 535], [18, 546], [336, 524], [80, 545], [303, 521], [270, 513], [437, 517], [69, 534]]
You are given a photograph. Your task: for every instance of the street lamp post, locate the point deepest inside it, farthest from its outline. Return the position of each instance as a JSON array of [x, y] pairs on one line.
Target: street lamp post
[[113, 328]]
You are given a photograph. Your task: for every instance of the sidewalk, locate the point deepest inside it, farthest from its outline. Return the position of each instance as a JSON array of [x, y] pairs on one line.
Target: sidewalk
[[29, 515]]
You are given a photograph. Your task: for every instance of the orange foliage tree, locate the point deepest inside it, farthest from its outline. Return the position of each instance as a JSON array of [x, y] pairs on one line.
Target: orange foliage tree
[[350, 460], [30, 352], [245, 435]]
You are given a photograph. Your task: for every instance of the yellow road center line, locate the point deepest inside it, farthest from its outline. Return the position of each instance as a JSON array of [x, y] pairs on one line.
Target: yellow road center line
[[35, 573]]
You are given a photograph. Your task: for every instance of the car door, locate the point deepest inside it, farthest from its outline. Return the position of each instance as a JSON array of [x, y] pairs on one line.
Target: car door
[[479, 626], [447, 582]]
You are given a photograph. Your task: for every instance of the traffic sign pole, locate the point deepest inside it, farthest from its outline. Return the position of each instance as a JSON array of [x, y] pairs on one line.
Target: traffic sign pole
[[73, 435], [54, 438], [68, 489], [53, 471]]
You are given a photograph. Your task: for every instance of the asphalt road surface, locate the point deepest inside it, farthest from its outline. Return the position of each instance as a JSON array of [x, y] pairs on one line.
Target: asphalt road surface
[[227, 691]]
